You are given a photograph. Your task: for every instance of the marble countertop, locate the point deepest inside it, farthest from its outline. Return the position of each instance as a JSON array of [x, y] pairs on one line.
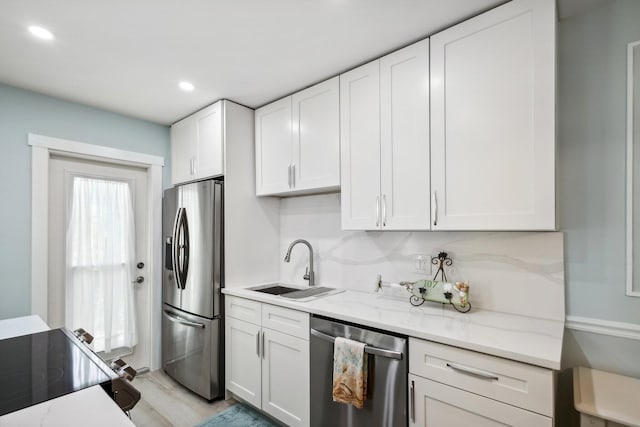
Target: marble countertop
[[77, 409], [521, 338]]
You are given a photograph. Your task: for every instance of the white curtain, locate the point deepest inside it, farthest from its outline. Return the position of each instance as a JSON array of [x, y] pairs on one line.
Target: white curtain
[[100, 261]]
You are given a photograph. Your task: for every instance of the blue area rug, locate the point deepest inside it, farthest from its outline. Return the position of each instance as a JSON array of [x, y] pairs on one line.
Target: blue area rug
[[238, 416]]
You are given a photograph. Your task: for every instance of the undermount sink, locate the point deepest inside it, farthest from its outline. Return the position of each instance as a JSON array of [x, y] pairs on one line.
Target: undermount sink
[[299, 294], [275, 289], [306, 293]]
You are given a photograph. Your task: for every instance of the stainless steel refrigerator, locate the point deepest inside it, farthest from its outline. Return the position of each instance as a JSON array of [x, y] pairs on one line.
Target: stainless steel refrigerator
[[192, 329]]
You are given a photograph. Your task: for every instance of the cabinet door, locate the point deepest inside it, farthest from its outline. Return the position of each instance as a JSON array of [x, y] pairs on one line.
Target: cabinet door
[[493, 120], [433, 404], [273, 148], [210, 157], [316, 136], [404, 124], [183, 150], [285, 378], [360, 147], [242, 360]]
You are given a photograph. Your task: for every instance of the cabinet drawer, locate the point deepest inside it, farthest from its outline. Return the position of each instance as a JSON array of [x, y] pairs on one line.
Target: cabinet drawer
[[243, 309], [434, 405], [285, 320], [516, 383]]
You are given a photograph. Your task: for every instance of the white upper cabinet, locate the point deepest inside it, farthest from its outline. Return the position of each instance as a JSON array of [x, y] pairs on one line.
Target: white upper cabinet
[[493, 120], [360, 147], [384, 129], [273, 147], [210, 157], [298, 142], [404, 139], [197, 145], [316, 136], [183, 150]]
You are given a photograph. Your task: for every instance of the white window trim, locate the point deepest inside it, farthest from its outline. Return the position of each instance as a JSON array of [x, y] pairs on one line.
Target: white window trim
[[42, 149], [630, 289]]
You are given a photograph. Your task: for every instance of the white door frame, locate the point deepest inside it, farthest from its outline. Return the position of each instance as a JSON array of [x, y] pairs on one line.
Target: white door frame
[[42, 149]]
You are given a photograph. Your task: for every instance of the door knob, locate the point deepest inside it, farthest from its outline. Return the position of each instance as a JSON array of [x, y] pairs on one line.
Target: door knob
[[140, 265], [139, 279]]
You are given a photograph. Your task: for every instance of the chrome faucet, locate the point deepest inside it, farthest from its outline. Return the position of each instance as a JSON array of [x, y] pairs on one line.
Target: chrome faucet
[[309, 274]]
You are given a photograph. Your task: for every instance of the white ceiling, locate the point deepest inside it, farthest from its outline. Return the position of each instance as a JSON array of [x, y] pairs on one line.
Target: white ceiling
[[128, 56]]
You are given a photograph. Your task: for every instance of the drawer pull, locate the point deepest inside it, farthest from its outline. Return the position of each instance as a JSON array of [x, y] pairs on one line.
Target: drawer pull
[[471, 371]]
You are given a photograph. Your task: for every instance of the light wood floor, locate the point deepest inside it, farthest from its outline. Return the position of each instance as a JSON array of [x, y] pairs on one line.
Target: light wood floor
[[165, 403]]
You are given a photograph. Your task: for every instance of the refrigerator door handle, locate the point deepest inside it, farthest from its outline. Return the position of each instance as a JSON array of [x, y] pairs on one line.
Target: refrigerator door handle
[[185, 254], [175, 247], [181, 248], [174, 318]]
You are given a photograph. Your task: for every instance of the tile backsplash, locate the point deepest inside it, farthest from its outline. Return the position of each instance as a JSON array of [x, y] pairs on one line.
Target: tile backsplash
[[513, 272]]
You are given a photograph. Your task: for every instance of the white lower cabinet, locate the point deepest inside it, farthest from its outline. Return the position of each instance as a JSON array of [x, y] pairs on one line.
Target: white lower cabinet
[[268, 366], [437, 405], [243, 362], [454, 387], [285, 378]]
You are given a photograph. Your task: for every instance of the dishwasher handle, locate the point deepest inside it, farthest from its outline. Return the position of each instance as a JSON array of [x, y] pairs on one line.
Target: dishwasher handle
[[392, 354]]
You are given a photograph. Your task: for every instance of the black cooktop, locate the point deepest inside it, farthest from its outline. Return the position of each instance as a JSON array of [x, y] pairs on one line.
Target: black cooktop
[[39, 367]]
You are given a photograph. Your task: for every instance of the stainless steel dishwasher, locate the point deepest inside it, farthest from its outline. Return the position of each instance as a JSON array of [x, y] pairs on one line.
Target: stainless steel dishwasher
[[386, 402]]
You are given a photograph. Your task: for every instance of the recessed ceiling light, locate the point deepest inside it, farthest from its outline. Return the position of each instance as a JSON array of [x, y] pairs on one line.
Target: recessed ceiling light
[[41, 33], [186, 86]]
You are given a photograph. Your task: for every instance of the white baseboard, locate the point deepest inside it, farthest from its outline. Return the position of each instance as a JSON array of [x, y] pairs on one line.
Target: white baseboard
[[604, 327]]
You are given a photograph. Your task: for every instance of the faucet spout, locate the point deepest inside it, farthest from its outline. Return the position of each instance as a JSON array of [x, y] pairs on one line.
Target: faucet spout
[[310, 275]]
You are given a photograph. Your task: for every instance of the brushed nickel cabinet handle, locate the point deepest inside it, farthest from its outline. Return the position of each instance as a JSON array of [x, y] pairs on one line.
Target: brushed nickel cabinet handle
[[434, 208], [293, 175], [384, 210], [472, 371], [258, 343]]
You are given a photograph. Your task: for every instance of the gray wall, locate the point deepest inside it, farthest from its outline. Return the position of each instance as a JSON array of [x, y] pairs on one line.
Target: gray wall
[[591, 171], [23, 112], [591, 175]]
